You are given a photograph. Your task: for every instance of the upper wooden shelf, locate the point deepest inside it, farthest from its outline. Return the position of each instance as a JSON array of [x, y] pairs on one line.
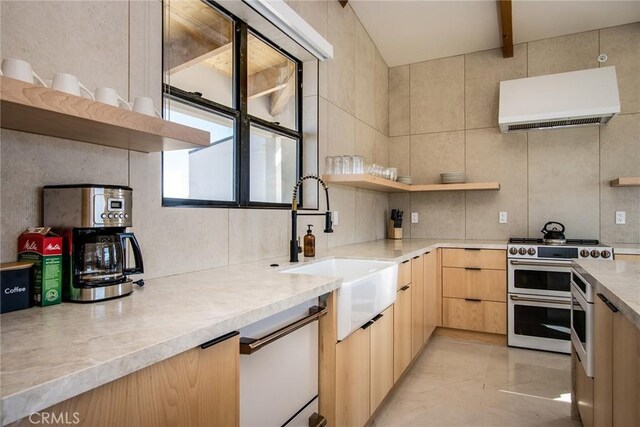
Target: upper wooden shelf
[[36, 109], [371, 182], [626, 181]]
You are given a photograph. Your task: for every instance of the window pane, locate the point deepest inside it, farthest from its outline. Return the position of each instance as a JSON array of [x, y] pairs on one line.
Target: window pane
[[272, 84], [201, 173], [273, 166], [199, 50]]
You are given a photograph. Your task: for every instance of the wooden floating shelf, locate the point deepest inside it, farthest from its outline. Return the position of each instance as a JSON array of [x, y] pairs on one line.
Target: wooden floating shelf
[[626, 181], [371, 182], [35, 109]]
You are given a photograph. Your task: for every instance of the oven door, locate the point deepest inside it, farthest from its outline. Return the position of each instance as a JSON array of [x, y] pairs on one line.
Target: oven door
[[540, 322], [540, 277], [582, 329]]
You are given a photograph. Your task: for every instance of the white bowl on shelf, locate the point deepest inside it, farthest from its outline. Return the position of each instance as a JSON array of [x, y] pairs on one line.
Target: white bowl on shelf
[[453, 177], [405, 180]]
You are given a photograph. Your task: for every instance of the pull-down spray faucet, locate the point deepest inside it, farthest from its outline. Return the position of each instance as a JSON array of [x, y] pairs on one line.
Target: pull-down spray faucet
[[294, 246]]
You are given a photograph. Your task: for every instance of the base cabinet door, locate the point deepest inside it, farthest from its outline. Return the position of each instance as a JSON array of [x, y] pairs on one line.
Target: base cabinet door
[[626, 372], [474, 315], [381, 358], [417, 305], [602, 365], [352, 379], [402, 332], [432, 293], [198, 387], [584, 392]]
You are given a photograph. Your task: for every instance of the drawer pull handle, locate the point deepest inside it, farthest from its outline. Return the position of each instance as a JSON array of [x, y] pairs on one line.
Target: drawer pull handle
[[473, 268], [406, 261], [405, 287], [366, 325], [416, 257], [472, 249], [473, 300], [608, 303], [378, 317], [251, 345], [219, 339]]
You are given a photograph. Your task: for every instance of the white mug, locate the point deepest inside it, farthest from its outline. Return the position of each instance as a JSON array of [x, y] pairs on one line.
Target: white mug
[[20, 70], [70, 84], [144, 105], [110, 96]]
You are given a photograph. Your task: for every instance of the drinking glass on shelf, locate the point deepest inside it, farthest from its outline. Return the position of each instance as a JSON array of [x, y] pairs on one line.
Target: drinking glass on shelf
[[337, 165], [347, 166], [393, 174], [329, 168], [358, 164]]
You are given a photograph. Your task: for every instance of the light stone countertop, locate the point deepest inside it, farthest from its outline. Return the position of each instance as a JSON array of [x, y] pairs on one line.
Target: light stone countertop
[[51, 354], [619, 281], [625, 248]]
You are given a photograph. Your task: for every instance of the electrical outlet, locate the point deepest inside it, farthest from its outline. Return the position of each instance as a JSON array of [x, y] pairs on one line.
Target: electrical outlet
[[335, 218], [621, 217], [414, 217], [502, 218]]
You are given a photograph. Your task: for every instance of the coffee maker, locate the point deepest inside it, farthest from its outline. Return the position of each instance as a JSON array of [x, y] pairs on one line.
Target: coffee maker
[[97, 250]]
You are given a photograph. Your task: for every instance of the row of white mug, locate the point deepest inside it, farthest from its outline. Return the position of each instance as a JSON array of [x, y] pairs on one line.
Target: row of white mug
[[68, 83]]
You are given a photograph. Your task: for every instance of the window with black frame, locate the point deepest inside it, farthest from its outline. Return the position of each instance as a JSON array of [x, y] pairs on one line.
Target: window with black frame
[[224, 77]]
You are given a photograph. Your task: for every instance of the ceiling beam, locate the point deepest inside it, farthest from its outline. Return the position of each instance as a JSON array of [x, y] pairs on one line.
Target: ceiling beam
[[506, 28]]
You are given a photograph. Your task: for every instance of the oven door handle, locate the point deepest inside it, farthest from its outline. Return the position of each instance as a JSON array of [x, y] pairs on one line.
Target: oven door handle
[[541, 264], [541, 300]]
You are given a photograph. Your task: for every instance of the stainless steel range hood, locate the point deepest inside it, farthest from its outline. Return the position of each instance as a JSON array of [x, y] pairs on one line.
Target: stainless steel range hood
[[578, 98]]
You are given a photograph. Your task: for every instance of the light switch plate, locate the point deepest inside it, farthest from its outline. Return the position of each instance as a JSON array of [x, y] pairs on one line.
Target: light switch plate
[[621, 217], [414, 217], [502, 218], [335, 218]]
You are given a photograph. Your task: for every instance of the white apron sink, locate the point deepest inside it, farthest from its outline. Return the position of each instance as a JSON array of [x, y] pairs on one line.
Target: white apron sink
[[368, 288]]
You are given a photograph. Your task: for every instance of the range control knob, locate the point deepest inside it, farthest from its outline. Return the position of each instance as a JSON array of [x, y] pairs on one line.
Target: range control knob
[[522, 251], [584, 253], [595, 253], [103, 215], [605, 254], [513, 251], [531, 251], [110, 216]]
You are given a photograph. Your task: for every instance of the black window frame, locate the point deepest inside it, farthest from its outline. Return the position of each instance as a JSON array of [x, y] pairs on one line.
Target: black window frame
[[241, 118]]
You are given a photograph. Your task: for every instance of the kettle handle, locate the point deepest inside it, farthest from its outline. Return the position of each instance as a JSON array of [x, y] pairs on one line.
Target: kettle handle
[[545, 231], [137, 254]]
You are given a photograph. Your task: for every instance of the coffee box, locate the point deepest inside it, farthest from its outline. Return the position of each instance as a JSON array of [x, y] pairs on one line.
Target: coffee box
[[44, 249]]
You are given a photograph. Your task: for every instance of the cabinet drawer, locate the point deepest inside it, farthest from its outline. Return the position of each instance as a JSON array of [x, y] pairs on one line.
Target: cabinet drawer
[[479, 284], [484, 316], [404, 274], [484, 258]]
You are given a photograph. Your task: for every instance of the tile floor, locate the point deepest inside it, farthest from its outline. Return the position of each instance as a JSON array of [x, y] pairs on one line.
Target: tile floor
[[464, 383]]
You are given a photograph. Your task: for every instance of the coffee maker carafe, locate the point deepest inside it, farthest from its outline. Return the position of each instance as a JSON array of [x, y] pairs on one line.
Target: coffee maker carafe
[[99, 254]]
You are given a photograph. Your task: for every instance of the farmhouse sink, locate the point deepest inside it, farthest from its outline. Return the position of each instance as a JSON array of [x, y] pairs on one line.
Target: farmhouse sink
[[368, 288]]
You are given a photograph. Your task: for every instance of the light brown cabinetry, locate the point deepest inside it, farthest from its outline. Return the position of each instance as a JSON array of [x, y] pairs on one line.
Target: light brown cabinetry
[[404, 274], [197, 387], [474, 290], [402, 332], [417, 305], [381, 358], [625, 257], [583, 390], [432, 293], [616, 367], [353, 379]]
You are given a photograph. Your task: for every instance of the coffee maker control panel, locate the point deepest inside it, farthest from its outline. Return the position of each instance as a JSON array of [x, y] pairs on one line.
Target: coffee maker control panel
[[87, 206]]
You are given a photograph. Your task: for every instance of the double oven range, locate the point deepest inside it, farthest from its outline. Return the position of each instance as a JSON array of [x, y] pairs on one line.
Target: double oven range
[[539, 291]]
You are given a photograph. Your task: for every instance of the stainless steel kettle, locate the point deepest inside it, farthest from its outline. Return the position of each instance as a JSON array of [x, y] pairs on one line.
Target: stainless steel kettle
[[553, 236]]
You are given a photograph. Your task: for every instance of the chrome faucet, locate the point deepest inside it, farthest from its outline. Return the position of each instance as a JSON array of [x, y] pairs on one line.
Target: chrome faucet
[[294, 245]]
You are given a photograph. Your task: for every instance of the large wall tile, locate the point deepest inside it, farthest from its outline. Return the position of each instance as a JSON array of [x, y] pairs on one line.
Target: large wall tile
[[87, 39], [440, 215], [367, 217], [310, 150], [399, 101], [562, 54], [563, 181], [435, 153], [366, 108], [365, 142], [341, 131], [483, 73], [258, 234], [400, 154], [343, 200], [622, 46], [492, 156], [437, 95], [145, 44], [382, 95], [323, 134], [342, 68], [382, 214], [620, 156], [173, 240], [382, 149], [29, 162], [314, 12]]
